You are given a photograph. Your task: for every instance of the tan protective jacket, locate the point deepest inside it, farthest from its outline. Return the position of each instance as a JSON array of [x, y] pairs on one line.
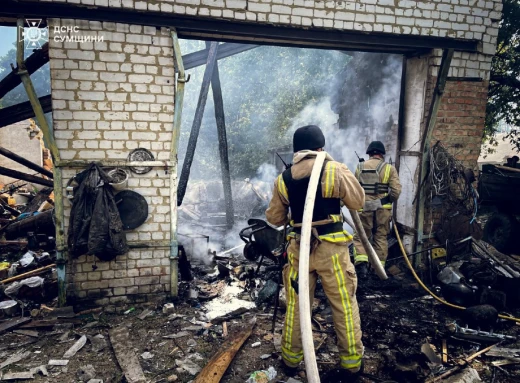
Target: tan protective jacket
[[388, 175], [337, 182]]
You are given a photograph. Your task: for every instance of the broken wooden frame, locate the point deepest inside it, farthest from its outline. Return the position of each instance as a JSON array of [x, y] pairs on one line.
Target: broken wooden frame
[[22, 111], [48, 137], [211, 76], [447, 55], [34, 62], [25, 177], [197, 121], [22, 161]]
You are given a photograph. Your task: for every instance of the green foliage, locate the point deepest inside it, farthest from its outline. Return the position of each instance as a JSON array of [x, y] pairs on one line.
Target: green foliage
[[504, 92], [41, 80], [263, 90]]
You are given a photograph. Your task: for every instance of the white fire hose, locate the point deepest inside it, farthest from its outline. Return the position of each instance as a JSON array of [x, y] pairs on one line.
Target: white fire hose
[[311, 366]]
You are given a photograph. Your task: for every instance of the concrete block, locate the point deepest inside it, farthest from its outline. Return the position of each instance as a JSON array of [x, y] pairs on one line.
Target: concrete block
[[81, 55], [405, 21], [385, 19], [115, 135], [366, 18], [91, 96], [114, 57], [139, 39], [94, 116], [138, 59]]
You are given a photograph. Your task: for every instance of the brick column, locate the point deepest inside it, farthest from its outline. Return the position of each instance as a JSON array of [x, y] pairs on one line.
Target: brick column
[[109, 98]]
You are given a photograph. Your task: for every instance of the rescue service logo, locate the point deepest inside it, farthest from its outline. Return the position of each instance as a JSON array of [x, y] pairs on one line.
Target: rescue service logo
[[33, 34]]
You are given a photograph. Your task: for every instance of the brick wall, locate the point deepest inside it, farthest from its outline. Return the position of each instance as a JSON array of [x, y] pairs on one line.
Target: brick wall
[[109, 98], [460, 120], [462, 111], [445, 18]]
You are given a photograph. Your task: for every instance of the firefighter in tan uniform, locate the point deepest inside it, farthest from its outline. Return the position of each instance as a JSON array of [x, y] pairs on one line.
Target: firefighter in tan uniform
[[382, 187], [329, 258]]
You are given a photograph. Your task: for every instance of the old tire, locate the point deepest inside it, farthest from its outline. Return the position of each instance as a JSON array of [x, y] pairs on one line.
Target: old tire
[[251, 251], [500, 231]]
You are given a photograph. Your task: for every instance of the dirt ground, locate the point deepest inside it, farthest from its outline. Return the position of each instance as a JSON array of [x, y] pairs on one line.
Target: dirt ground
[[397, 319]]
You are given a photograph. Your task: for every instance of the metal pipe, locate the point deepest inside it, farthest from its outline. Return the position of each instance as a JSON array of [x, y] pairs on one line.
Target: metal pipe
[[48, 136], [113, 163], [177, 119], [31, 165]]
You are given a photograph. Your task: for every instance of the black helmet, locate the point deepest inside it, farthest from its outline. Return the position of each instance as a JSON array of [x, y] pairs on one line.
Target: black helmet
[[308, 137], [376, 147]]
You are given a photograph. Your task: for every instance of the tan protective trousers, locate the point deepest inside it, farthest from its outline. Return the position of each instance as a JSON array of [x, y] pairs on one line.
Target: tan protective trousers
[[380, 233], [331, 262]]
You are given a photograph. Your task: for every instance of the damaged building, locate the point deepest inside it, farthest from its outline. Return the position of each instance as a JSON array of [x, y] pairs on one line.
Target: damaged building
[[132, 218]]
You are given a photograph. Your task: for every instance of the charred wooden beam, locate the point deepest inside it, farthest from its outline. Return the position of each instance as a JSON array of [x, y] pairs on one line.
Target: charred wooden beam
[[34, 62], [197, 121], [11, 210], [41, 223], [220, 361], [22, 111], [25, 177], [31, 165], [195, 59], [447, 55], [222, 144]]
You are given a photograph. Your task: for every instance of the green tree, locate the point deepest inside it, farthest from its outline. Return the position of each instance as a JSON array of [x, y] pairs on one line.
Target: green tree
[[263, 90], [504, 89]]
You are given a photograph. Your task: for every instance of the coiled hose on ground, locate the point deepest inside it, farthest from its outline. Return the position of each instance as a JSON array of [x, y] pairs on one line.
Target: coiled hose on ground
[[502, 316]]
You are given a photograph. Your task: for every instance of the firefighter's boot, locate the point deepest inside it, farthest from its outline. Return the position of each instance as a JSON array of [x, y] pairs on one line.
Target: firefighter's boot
[[362, 270]]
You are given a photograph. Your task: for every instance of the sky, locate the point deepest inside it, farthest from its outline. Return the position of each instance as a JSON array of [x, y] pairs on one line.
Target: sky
[[7, 38]]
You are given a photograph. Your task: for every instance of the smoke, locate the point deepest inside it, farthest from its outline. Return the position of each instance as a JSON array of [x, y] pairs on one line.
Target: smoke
[[379, 106], [263, 181], [268, 93]]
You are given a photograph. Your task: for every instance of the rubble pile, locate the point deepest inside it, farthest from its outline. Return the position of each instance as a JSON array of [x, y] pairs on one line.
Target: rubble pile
[[28, 253]]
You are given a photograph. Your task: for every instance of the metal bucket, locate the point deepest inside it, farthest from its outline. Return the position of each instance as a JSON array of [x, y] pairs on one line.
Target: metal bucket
[[120, 177], [9, 308]]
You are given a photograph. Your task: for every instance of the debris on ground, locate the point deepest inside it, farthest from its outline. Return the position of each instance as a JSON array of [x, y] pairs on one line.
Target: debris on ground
[[264, 376], [75, 348], [125, 355], [221, 326]]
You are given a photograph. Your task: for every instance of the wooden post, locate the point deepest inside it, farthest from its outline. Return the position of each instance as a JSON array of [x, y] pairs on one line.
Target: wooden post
[[197, 121], [222, 144]]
